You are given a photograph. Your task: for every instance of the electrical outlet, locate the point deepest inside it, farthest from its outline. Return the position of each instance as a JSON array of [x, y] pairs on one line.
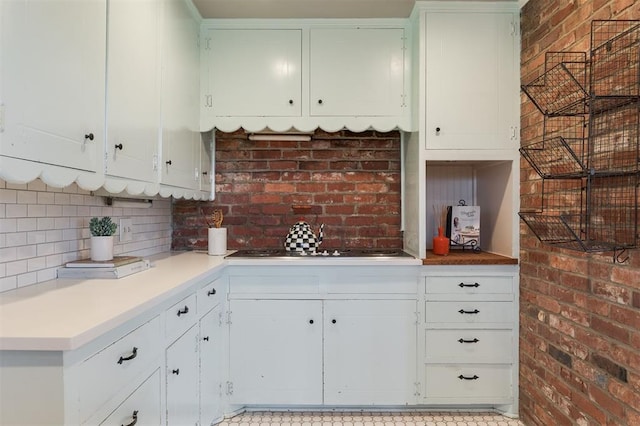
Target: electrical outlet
[[126, 230]]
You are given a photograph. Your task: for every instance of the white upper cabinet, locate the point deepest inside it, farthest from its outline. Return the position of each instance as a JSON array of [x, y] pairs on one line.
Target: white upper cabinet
[[52, 87], [305, 74], [180, 161], [133, 89], [254, 72], [357, 71], [472, 69]]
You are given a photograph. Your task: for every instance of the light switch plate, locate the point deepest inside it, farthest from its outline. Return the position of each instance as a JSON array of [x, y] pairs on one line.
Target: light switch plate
[[126, 230]]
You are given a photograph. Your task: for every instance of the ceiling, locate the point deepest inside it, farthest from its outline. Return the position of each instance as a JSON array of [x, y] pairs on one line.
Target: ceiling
[[300, 9], [276, 9]]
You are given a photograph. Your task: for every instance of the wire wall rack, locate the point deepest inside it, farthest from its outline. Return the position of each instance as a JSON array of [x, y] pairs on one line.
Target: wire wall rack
[[587, 161]]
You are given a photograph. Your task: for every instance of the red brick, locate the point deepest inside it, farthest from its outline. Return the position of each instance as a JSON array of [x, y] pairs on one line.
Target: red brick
[[279, 187], [610, 329]]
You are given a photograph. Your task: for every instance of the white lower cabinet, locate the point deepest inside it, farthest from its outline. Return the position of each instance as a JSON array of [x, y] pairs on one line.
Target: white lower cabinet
[[369, 352], [275, 352], [470, 339], [141, 408], [182, 380], [211, 374], [324, 340]]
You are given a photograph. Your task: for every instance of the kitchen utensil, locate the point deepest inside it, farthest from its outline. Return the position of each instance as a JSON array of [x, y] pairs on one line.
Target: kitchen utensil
[[217, 218]]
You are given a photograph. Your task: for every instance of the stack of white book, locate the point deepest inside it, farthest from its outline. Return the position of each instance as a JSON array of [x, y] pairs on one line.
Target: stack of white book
[[118, 267]]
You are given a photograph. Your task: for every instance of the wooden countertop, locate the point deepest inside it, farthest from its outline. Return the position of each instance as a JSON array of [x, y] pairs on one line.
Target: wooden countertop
[[467, 257]]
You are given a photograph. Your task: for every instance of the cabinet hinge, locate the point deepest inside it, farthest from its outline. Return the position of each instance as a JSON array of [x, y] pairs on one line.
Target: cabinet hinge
[[229, 388], [154, 162], [514, 133], [220, 318], [196, 175], [106, 162], [228, 317], [417, 317], [514, 29], [1, 118], [208, 101], [208, 43], [417, 392]]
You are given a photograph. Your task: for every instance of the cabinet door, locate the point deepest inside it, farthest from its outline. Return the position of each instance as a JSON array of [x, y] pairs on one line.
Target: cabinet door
[[180, 95], [141, 408], [207, 157], [254, 72], [133, 89], [182, 380], [53, 62], [472, 74], [370, 352], [211, 345], [276, 351], [357, 71]]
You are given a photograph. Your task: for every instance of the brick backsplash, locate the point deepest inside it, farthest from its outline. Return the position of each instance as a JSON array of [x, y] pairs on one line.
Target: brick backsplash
[[351, 180], [580, 313], [42, 228]]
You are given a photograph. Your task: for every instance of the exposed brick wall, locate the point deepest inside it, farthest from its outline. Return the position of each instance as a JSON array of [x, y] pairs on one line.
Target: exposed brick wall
[[580, 313], [352, 180]]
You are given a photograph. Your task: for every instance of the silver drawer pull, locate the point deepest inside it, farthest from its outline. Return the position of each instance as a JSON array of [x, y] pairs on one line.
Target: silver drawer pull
[[474, 377], [134, 419], [468, 341], [463, 285], [475, 311], [134, 353]]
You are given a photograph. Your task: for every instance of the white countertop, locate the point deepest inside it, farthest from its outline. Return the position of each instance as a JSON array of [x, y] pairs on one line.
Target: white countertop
[[65, 314]]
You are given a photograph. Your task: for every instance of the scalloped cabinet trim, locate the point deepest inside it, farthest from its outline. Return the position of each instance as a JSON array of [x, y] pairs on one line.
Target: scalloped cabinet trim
[[16, 171]]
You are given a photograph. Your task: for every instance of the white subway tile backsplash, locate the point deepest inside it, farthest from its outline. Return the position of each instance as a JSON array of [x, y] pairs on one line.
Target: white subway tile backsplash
[[8, 196], [27, 197], [16, 210], [36, 264], [8, 225], [8, 283], [42, 228], [27, 224], [36, 210], [45, 198], [16, 268], [36, 185], [61, 198], [27, 279], [16, 239], [26, 252]]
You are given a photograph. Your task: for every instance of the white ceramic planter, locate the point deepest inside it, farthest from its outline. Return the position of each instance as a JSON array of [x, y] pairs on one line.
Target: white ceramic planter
[[101, 248]]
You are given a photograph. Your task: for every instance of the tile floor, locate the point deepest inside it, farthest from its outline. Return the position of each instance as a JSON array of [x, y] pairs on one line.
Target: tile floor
[[262, 418]]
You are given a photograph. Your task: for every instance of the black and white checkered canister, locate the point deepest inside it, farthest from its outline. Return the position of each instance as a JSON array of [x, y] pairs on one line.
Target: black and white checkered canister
[[302, 238]]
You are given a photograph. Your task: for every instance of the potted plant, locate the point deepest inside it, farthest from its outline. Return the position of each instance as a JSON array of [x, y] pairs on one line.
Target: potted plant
[[102, 230]]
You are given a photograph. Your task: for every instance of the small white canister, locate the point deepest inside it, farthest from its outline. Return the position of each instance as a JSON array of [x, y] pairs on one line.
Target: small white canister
[[217, 241]]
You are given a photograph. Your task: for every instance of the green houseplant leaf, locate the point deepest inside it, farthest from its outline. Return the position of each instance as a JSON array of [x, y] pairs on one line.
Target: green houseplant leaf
[[102, 227]]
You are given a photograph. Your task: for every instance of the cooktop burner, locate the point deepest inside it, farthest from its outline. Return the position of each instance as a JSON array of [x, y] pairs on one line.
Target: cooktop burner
[[270, 253]]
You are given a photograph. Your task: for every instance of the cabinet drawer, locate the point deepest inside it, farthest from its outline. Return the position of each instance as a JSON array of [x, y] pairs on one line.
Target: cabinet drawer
[[469, 312], [468, 284], [181, 316], [105, 373], [468, 383], [469, 346], [210, 296], [374, 284], [142, 407], [276, 284]]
